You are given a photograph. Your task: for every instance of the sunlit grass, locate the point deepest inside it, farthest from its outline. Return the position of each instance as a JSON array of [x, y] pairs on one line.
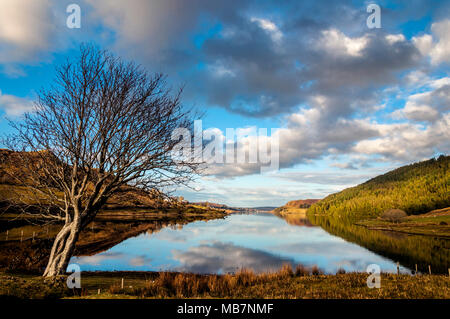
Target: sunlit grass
[[421, 225], [286, 283]]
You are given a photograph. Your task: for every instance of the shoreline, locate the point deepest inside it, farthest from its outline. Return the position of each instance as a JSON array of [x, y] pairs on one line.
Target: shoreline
[[434, 223], [285, 284], [26, 247]]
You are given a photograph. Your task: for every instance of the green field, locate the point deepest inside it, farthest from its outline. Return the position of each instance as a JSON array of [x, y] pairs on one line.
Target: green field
[[436, 223]]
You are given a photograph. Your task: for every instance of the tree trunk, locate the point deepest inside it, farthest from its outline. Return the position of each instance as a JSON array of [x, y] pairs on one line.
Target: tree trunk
[[62, 250]]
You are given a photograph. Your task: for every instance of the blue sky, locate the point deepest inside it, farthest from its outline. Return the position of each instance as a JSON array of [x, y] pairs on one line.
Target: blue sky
[[348, 102]]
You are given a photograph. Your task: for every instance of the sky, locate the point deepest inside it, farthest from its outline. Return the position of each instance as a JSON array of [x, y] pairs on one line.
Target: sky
[[346, 102]]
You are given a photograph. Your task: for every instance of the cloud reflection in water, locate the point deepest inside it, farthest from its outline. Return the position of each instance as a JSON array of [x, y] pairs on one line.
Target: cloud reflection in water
[[259, 242], [226, 258]]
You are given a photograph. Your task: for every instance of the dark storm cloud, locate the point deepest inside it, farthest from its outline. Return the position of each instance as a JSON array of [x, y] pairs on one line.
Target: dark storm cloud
[[270, 79], [260, 76], [308, 60]]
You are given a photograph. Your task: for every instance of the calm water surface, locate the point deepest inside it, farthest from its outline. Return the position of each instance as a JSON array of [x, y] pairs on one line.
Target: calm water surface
[[262, 242]]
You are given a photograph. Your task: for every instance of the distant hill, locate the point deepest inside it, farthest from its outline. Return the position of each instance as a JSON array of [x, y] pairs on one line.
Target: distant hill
[[232, 210], [264, 208], [417, 188], [212, 205], [295, 206], [14, 184], [301, 203], [226, 208]]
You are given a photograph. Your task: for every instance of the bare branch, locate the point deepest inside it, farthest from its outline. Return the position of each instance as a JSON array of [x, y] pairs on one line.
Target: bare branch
[[103, 125]]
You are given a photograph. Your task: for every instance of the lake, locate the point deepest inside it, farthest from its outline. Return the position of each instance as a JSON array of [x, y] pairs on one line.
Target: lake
[[262, 242]]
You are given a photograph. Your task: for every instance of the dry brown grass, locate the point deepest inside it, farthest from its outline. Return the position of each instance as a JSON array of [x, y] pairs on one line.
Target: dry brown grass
[[186, 285], [285, 283]]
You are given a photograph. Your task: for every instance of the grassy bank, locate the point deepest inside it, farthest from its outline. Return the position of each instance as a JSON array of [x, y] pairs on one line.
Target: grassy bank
[[435, 223], [286, 283], [421, 189], [407, 249]]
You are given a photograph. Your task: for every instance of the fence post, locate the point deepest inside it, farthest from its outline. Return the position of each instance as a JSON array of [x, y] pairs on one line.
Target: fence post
[[398, 268], [416, 269], [98, 291], [429, 269], [21, 235], [122, 283]]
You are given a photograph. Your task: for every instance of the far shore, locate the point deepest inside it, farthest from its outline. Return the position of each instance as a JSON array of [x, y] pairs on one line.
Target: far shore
[[435, 223]]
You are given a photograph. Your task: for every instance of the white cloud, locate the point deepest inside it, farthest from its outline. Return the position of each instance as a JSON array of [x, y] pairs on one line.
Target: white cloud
[[438, 45], [270, 27], [337, 43], [13, 105], [394, 38], [310, 134], [220, 70], [408, 141], [424, 43], [25, 29], [419, 112], [417, 78], [439, 83], [307, 136], [347, 165], [428, 105]]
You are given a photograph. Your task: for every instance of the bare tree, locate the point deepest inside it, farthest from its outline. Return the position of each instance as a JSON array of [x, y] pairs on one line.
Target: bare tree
[[105, 124]]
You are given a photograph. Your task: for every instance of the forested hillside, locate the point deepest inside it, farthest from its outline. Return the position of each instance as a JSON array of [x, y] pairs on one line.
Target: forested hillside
[[416, 188]]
